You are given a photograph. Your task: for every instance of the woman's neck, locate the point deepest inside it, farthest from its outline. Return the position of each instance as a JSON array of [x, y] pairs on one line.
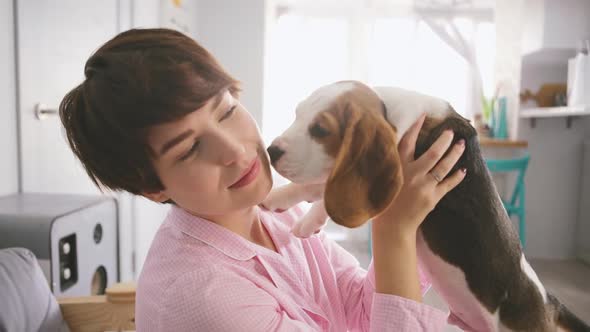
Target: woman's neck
[[240, 222], [247, 224]]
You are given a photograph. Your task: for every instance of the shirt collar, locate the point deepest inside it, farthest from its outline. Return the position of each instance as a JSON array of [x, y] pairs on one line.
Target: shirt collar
[[219, 237]]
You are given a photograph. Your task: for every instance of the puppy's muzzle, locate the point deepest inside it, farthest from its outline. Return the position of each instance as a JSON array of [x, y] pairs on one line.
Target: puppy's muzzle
[[275, 153]]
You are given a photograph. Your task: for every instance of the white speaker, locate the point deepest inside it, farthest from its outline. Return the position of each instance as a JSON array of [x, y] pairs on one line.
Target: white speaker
[[74, 237]]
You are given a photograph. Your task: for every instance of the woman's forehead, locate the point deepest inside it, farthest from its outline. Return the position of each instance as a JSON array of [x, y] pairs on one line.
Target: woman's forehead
[[158, 135], [212, 104]]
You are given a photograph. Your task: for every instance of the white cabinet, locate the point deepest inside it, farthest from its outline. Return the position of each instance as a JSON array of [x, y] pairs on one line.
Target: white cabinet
[[583, 229], [551, 24]]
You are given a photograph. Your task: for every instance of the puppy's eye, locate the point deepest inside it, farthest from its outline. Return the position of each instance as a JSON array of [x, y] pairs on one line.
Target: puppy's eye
[[318, 131]]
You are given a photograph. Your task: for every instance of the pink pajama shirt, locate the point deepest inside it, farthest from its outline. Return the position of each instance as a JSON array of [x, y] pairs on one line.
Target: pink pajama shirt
[[199, 276]]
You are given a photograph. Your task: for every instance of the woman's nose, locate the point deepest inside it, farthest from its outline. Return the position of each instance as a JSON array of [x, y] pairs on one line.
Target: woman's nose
[[231, 149]]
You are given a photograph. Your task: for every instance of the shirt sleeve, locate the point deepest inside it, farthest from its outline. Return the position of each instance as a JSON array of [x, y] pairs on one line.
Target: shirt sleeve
[[216, 300], [395, 313], [369, 311]]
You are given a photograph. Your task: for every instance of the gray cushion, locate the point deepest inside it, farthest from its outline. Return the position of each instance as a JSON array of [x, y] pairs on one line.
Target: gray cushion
[[27, 303]]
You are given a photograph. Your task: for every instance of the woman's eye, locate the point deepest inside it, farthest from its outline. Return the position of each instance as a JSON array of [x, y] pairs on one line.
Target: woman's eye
[[228, 113], [318, 131], [190, 151]]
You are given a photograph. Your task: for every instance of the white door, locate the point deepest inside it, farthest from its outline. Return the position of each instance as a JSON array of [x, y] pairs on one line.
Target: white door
[[54, 39]]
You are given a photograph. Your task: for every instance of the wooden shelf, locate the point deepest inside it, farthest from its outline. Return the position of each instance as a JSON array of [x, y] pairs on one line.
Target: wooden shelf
[[502, 143]]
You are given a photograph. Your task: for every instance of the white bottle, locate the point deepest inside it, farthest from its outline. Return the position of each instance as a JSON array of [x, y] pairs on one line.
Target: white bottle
[[578, 80]]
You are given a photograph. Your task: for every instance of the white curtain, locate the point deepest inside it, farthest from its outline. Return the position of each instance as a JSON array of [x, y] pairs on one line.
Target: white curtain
[[446, 28]]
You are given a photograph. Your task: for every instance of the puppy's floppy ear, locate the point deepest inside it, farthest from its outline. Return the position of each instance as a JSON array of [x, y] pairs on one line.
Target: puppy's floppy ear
[[367, 172]]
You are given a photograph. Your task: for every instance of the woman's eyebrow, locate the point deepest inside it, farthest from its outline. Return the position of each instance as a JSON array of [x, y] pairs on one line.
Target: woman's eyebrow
[[171, 143]]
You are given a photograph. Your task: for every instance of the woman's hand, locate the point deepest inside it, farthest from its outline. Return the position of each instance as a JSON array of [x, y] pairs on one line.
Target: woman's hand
[[424, 179]]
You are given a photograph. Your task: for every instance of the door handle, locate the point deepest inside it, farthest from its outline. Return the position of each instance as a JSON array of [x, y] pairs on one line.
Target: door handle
[[42, 111]]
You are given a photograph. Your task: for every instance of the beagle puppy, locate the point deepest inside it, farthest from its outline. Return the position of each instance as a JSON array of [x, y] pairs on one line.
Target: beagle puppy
[[344, 140]]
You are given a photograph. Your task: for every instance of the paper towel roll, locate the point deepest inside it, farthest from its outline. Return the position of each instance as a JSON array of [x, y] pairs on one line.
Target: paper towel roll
[[578, 80]]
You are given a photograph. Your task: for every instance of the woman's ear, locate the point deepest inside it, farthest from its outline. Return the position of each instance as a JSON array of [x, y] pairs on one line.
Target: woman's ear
[[367, 172]]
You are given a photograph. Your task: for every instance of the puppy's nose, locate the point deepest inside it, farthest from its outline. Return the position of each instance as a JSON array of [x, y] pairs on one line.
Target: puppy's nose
[[275, 153]]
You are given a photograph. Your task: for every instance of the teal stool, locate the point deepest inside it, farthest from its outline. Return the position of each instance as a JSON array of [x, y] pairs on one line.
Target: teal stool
[[516, 203]]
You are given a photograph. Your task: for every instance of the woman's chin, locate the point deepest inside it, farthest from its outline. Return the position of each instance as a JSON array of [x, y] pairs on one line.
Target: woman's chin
[[261, 190]]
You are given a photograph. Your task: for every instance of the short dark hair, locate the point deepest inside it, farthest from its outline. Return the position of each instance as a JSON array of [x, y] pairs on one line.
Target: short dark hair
[[138, 79]]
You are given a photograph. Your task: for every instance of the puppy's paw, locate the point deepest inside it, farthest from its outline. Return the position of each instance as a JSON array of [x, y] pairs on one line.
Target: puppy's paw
[[313, 192], [303, 232], [307, 227], [276, 202]]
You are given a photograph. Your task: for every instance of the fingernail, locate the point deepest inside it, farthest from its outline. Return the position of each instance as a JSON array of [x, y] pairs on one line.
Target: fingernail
[[461, 142], [464, 170], [449, 132]]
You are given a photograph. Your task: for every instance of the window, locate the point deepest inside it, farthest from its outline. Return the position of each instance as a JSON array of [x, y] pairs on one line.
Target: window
[[311, 48], [306, 53]]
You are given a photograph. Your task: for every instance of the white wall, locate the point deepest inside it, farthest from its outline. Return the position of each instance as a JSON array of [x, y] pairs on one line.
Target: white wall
[[8, 135], [555, 24], [553, 184], [564, 19], [553, 178], [234, 32]]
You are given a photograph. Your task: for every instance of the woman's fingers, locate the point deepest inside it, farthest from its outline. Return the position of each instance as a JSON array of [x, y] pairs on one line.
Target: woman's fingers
[[436, 151], [451, 182], [407, 145], [444, 166]]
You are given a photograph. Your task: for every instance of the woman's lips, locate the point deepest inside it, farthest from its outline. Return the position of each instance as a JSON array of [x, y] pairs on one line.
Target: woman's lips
[[249, 176]]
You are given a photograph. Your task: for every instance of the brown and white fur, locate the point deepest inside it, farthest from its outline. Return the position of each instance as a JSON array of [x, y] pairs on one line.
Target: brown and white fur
[[343, 143]]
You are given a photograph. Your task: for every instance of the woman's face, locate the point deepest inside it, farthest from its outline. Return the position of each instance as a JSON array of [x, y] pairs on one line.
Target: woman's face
[[213, 160]]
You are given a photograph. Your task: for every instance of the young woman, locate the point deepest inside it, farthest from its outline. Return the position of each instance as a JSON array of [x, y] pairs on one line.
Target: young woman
[[158, 116]]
